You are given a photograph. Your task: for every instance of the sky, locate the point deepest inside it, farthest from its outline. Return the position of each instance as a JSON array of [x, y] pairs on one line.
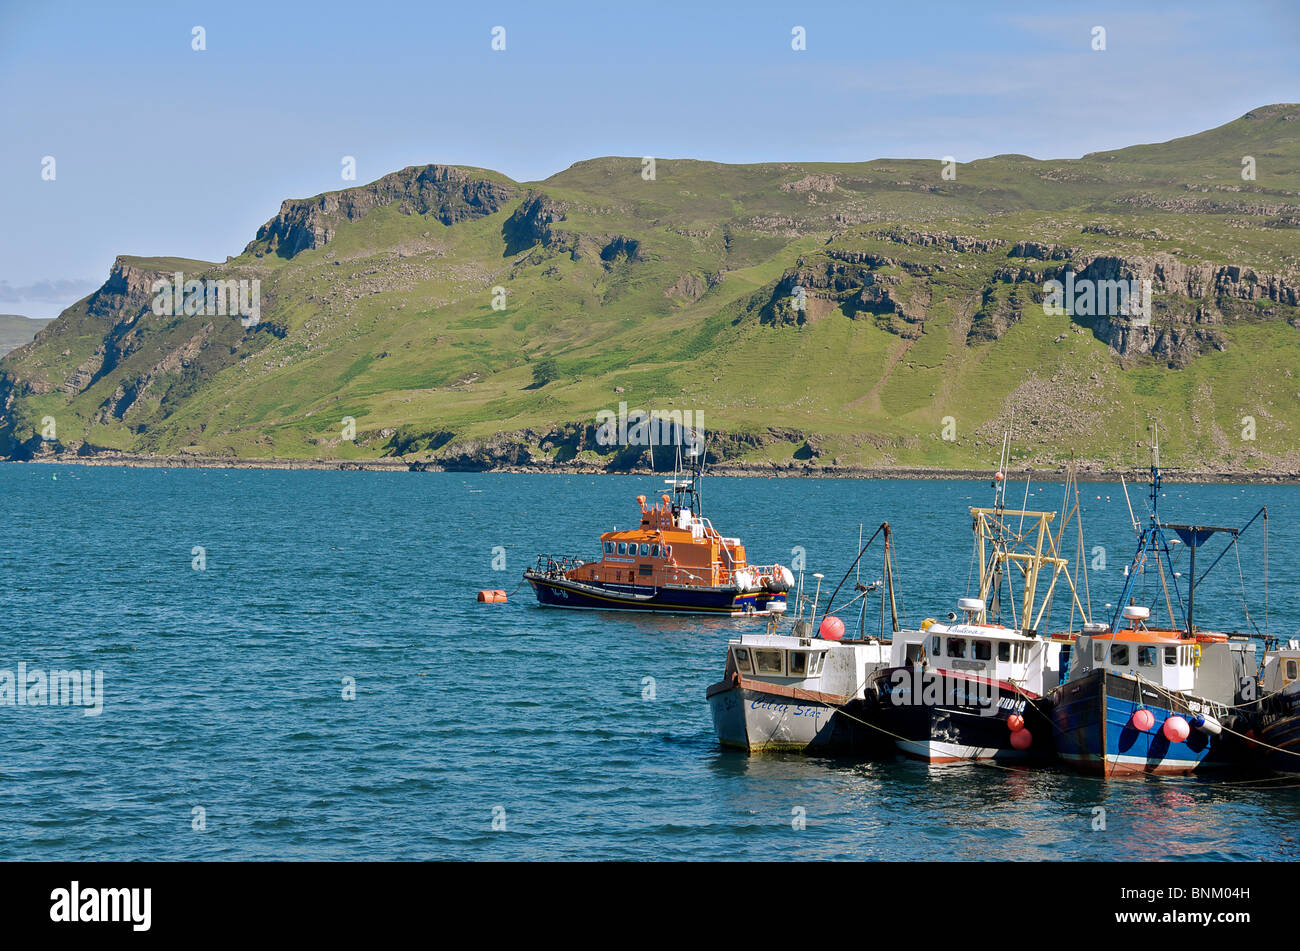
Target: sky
[[159, 148]]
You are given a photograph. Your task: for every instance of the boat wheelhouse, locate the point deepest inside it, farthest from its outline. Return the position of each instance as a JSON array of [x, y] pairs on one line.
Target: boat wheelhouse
[[673, 561]]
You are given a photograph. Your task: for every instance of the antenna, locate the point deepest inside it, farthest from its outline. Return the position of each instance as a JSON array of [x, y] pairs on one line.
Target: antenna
[[1137, 529]]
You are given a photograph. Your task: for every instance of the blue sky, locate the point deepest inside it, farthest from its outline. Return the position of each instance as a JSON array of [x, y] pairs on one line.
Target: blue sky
[[161, 149]]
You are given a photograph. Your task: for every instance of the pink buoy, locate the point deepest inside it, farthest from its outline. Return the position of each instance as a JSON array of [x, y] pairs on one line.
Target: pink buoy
[[1022, 739], [831, 628], [1015, 723], [1143, 719], [1176, 729]]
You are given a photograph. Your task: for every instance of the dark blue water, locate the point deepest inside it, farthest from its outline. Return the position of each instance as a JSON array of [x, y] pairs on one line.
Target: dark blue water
[[224, 687]]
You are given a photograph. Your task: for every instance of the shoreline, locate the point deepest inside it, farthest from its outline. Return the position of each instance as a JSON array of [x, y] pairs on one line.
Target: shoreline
[[1085, 473]]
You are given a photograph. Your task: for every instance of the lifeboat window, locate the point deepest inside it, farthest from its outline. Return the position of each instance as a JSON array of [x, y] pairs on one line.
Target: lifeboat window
[[1171, 656], [1147, 656], [668, 551], [1291, 671], [983, 649], [654, 551], [956, 647], [609, 548], [1099, 652], [936, 645], [622, 548], [1119, 655], [768, 662], [798, 663], [742, 660], [645, 551], [1004, 650]]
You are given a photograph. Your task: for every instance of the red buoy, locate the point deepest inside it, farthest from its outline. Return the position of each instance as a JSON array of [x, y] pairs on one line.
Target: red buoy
[[496, 596], [1015, 723], [1022, 739], [1176, 729], [831, 628], [1143, 719]]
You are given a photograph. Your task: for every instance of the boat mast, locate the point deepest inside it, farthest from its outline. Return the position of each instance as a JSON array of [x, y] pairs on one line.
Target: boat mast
[[1152, 539]]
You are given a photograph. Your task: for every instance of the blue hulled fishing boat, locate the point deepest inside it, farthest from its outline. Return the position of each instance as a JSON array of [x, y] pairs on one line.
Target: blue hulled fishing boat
[[1141, 699]]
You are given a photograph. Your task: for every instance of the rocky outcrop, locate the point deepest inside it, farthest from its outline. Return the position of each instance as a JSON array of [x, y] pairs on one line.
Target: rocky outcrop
[[1039, 251], [127, 293], [444, 192], [531, 222], [962, 244], [998, 310]]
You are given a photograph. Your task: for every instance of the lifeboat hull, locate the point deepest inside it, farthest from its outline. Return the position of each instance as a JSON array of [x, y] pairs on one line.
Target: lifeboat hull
[[559, 592]]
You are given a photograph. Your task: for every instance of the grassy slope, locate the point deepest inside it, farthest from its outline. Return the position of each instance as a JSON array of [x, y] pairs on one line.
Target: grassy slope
[[391, 322]]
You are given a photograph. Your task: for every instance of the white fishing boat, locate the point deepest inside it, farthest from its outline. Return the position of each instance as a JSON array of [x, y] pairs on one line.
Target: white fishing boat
[[804, 693]]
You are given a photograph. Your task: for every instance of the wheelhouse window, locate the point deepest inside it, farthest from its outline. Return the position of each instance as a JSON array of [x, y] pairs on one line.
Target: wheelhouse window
[[622, 548], [936, 645], [645, 551], [742, 659], [956, 647], [983, 649], [1004, 650], [1146, 656], [1119, 655], [1171, 656], [1099, 653], [654, 551], [798, 663], [768, 662], [1292, 670], [609, 548]]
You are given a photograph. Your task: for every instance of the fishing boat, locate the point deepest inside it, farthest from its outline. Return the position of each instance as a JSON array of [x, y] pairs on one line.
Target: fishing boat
[[800, 692], [672, 561], [972, 688], [1275, 720], [1144, 699]]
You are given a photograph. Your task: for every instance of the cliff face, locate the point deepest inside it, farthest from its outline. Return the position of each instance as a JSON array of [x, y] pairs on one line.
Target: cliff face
[[443, 192]]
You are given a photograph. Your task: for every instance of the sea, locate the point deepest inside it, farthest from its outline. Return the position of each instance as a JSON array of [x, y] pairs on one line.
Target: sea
[[293, 665]]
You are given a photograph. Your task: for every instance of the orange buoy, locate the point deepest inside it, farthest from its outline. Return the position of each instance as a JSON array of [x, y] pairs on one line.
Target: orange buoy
[[831, 628], [1143, 719], [1176, 729], [492, 597], [1015, 723]]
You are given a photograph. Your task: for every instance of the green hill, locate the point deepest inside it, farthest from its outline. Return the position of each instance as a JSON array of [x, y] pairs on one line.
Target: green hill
[[811, 314], [15, 331]]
